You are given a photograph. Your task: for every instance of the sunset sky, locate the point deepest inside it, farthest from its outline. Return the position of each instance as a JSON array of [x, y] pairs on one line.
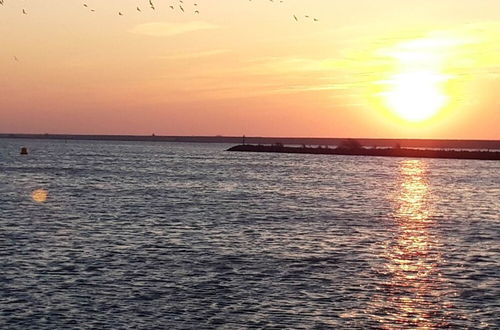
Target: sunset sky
[[366, 68]]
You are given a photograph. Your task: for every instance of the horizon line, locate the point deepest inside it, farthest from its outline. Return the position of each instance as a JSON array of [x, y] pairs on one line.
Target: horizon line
[[60, 135]]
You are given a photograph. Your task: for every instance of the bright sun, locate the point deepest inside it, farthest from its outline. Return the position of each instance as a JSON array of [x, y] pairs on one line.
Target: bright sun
[[414, 91], [415, 96]]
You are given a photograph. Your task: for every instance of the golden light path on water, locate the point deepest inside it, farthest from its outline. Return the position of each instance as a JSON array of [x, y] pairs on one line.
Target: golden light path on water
[[414, 293]]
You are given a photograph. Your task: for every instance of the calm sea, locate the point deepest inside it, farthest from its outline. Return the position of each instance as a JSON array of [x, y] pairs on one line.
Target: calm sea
[[164, 235]]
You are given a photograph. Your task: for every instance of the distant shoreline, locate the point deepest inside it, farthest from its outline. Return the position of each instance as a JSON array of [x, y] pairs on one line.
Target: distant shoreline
[[387, 143], [377, 152]]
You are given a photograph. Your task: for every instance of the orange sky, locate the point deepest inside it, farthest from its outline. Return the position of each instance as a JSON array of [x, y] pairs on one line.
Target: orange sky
[[385, 68]]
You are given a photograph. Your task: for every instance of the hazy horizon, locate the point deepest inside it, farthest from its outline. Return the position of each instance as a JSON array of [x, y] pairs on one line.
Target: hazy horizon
[[7, 134]]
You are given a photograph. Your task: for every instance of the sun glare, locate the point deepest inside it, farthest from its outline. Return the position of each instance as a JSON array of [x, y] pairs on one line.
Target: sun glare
[[415, 96], [414, 91], [39, 195]]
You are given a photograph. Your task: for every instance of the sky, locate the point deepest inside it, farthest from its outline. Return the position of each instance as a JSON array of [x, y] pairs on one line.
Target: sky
[[315, 68]]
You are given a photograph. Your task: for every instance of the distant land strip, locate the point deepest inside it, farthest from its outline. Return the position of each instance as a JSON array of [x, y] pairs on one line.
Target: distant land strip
[[387, 143], [377, 152]]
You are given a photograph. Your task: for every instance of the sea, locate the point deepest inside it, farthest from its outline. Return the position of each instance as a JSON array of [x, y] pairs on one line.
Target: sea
[[155, 235]]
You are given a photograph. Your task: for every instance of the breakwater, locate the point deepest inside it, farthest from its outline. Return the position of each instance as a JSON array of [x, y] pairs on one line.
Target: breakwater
[[362, 151]]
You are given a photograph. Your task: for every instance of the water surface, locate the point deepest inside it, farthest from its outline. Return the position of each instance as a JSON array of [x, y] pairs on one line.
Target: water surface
[[143, 235]]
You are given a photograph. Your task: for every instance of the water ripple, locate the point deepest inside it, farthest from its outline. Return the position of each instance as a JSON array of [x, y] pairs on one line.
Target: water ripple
[[163, 235]]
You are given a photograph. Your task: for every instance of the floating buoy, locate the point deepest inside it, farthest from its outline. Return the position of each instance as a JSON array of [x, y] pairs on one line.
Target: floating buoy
[[24, 151]]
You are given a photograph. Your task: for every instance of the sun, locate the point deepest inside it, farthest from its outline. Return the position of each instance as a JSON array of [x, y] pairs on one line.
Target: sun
[[413, 90], [415, 96]]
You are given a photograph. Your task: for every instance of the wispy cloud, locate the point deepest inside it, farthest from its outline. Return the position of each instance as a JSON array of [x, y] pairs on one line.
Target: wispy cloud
[[200, 54], [166, 29], [359, 72]]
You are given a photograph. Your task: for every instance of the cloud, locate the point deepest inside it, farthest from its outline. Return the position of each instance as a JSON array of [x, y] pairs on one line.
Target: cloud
[[183, 56], [166, 29]]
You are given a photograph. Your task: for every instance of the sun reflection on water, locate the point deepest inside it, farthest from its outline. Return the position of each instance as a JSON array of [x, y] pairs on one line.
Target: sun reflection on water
[[414, 292]]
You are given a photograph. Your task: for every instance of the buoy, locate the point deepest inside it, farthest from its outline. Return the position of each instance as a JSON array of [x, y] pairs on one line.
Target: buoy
[[24, 151]]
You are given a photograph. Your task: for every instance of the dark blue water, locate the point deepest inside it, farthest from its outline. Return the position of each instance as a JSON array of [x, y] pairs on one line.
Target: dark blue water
[[165, 235]]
